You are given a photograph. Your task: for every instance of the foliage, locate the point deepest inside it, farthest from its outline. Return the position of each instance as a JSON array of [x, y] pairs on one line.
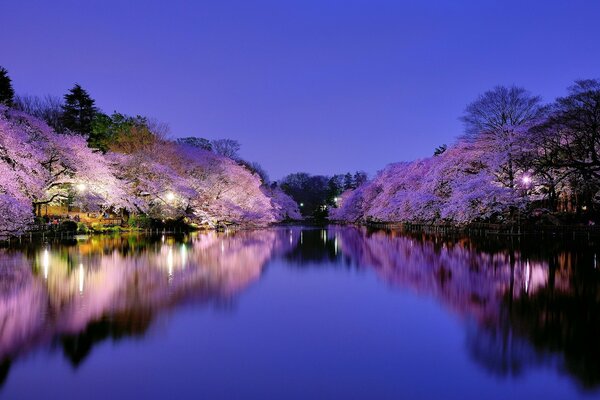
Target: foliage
[[497, 122], [566, 152], [140, 221], [199, 142], [82, 228], [440, 149], [515, 151], [226, 147], [78, 111], [257, 169], [318, 193], [47, 108], [68, 226], [7, 92]]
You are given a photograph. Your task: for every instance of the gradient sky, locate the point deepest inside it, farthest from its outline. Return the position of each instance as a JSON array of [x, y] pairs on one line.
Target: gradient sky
[[317, 86]]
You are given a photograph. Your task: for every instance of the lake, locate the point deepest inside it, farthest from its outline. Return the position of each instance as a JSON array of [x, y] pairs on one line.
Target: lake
[[297, 313]]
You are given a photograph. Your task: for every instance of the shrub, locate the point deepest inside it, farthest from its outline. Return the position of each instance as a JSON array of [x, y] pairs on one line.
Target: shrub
[[69, 226], [140, 221]]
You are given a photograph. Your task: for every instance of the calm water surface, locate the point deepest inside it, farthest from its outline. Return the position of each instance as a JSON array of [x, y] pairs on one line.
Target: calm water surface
[[301, 313]]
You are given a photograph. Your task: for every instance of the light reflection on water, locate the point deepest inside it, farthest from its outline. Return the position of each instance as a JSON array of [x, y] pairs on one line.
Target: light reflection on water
[[526, 307]]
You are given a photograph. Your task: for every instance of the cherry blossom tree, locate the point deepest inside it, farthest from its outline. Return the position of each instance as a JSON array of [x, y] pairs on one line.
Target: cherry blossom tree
[[498, 121], [42, 167], [456, 186]]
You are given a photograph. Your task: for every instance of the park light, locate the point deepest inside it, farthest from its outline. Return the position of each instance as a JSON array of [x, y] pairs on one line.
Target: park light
[[81, 187], [301, 204], [526, 179], [335, 199], [170, 196]]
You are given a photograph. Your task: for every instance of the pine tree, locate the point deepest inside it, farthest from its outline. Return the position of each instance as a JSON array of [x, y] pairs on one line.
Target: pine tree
[[78, 111], [7, 92], [348, 181]]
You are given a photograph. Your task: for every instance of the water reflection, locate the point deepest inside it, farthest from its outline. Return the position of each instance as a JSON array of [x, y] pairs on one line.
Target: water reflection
[[525, 304], [75, 294]]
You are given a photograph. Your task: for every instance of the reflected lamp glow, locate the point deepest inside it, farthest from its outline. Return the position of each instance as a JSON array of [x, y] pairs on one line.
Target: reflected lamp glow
[[170, 261], [527, 276], [81, 278], [46, 262], [183, 255]]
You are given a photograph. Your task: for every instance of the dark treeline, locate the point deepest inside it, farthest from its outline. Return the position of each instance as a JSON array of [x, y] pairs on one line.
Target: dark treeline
[[317, 193]]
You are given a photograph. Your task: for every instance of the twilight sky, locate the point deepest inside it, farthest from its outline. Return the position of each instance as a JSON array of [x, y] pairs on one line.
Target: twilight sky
[[304, 85]]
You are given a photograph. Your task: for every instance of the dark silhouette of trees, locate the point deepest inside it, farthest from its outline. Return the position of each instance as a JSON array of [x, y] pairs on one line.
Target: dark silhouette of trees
[[359, 178], [440, 150], [226, 147], [198, 142], [7, 93], [317, 193], [567, 145], [348, 183], [47, 108], [78, 111]]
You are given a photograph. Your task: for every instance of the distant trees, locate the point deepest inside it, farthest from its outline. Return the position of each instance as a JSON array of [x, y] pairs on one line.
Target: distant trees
[[318, 193], [47, 108], [310, 191], [198, 142], [359, 178], [79, 111], [7, 92], [226, 147], [255, 168], [440, 150]]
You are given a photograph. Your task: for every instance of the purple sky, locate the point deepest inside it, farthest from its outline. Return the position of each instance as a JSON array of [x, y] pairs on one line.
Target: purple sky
[[317, 86]]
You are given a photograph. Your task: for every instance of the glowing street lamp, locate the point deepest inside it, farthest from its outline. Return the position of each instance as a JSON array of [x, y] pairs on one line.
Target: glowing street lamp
[[526, 179], [301, 204], [170, 196], [81, 187]]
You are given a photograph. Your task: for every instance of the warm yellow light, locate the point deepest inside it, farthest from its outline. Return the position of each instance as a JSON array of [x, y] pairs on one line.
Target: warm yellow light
[[81, 187], [46, 262], [170, 196]]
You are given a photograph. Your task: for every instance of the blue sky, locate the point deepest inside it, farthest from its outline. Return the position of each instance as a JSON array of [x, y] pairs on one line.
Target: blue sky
[[316, 86]]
